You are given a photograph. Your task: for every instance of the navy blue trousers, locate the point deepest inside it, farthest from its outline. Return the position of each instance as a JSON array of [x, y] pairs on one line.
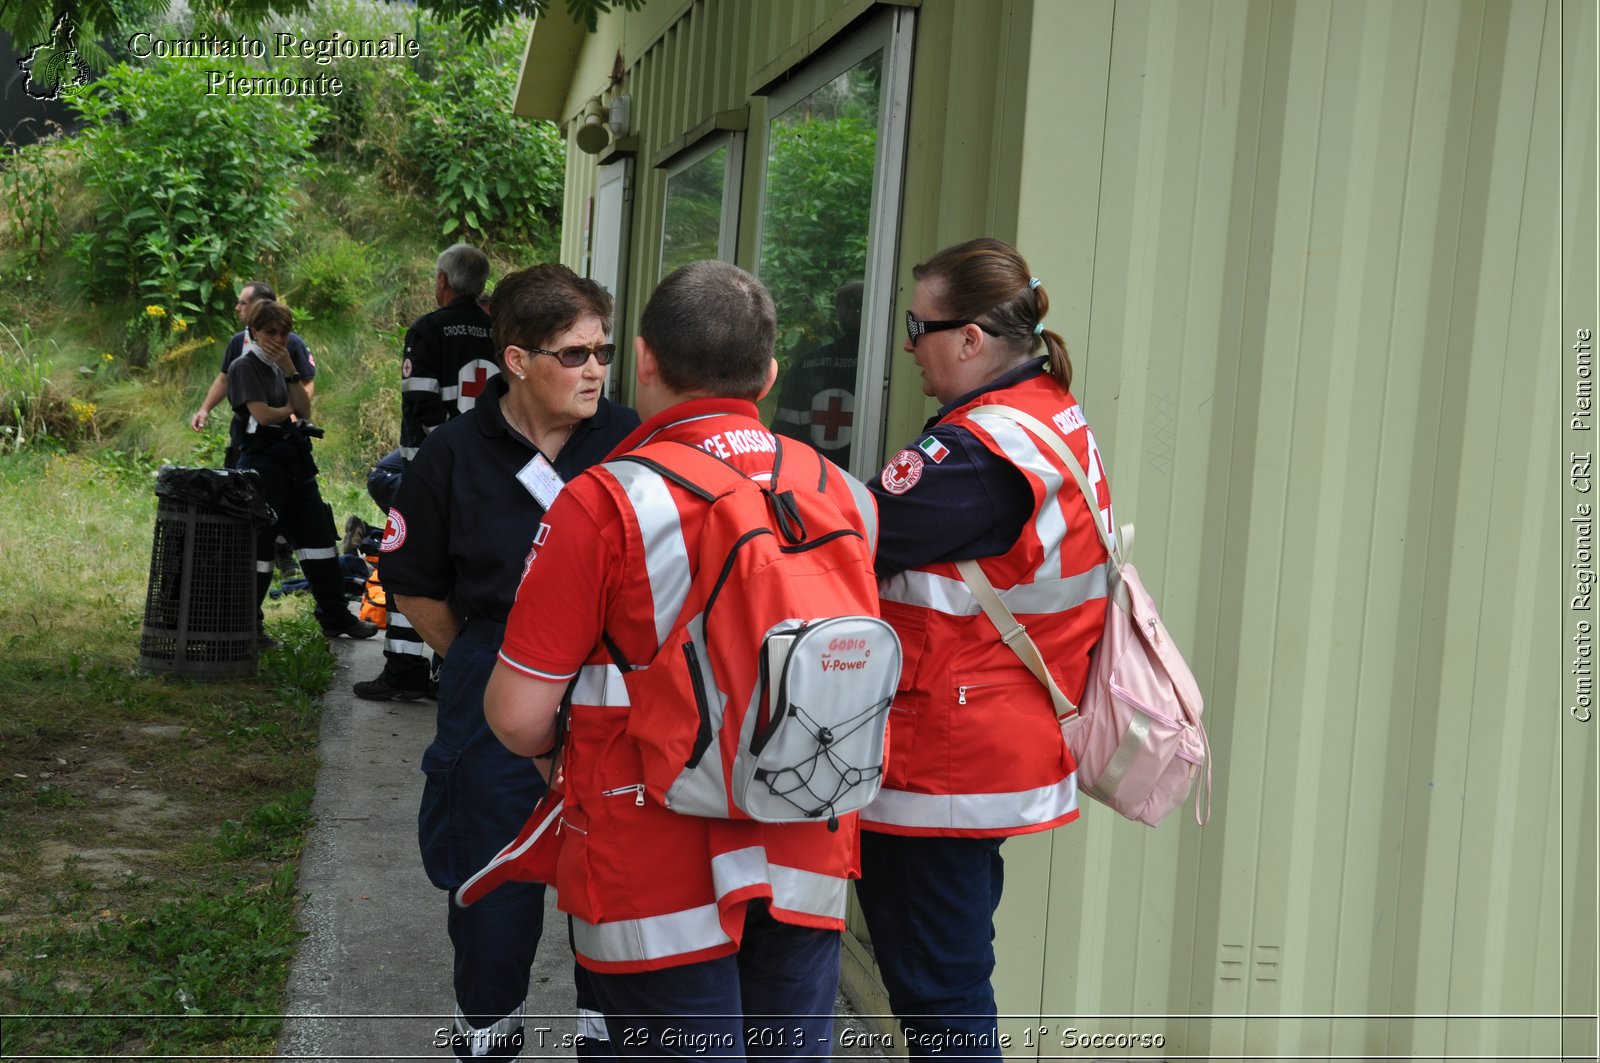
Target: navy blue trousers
[[930, 904], [771, 1000], [476, 798]]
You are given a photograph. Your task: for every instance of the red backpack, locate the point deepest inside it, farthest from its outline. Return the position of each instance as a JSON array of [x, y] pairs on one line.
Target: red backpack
[[769, 699]]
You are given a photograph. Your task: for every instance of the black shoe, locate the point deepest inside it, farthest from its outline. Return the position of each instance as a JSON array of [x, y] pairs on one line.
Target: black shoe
[[349, 627], [379, 690]]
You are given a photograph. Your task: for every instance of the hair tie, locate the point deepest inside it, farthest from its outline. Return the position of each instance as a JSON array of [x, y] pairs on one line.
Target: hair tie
[[1039, 328], [1033, 282]]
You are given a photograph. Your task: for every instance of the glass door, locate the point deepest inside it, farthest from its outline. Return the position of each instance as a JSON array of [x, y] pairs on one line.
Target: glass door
[[828, 227]]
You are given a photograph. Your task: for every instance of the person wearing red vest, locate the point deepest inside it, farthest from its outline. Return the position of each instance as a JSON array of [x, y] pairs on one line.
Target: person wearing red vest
[[687, 924], [975, 750]]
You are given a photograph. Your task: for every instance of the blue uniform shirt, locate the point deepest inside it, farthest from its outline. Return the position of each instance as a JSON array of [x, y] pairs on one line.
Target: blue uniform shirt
[[463, 522], [964, 502]]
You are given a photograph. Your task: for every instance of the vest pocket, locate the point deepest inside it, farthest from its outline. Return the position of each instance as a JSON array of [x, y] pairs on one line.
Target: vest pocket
[[1006, 720]]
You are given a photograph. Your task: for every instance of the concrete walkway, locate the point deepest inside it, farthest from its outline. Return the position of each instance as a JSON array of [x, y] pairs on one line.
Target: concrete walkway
[[371, 979]]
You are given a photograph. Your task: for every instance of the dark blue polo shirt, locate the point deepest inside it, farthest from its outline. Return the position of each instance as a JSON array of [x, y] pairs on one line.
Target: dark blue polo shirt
[[465, 521], [970, 503]]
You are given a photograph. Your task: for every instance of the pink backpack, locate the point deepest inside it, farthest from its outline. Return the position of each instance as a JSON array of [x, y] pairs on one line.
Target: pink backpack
[[1137, 735]]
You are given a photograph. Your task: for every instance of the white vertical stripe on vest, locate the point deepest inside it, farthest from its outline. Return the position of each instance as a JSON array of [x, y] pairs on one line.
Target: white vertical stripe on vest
[[666, 557], [600, 684], [902, 808], [653, 938], [866, 507], [1026, 452]]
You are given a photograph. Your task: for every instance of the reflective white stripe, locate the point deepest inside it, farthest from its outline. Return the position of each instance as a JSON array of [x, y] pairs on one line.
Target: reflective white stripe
[[489, 1040], [654, 938], [811, 892], [420, 383], [451, 393], [592, 1025], [738, 869], [408, 453], [1023, 808], [793, 888], [666, 557], [548, 677], [600, 684], [867, 508], [318, 553], [405, 648], [1025, 452], [398, 620], [942, 594], [263, 566]]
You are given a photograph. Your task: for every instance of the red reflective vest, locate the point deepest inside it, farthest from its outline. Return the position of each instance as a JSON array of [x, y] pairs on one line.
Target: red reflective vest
[[646, 887], [974, 746]]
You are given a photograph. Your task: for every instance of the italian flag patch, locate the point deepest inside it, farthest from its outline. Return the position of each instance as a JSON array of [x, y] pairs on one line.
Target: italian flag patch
[[934, 449]]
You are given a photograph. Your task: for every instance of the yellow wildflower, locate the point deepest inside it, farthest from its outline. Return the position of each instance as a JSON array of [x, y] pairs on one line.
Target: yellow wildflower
[[83, 410], [179, 324], [108, 357], [155, 311]]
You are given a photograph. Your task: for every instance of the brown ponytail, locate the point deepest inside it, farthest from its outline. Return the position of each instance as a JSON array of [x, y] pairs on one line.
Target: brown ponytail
[[987, 281]]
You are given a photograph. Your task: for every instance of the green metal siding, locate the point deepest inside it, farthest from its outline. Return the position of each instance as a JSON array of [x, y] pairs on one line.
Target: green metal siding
[[1311, 256], [1318, 264]]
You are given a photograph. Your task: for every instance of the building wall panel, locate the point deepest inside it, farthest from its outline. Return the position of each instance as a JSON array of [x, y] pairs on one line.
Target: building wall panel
[[1315, 334], [1316, 262]]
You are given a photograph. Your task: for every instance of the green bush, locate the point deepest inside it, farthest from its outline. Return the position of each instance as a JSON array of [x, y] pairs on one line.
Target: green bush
[[814, 235], [195, 189], [495, 178], [330, 277]]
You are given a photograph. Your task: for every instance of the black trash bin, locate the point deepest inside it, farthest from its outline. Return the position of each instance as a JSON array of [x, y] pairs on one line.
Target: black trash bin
[[200, 607]]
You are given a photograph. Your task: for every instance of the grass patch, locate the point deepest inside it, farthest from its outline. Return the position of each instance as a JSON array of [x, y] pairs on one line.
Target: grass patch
[[150, 827]]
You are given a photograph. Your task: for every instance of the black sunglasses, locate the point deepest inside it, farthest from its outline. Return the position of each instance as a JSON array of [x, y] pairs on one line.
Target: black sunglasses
[[915, 326], [573, 357]]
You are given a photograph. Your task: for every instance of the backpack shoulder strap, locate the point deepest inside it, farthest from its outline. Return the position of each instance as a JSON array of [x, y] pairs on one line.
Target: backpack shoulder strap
[[700, 473], [1054, 441], [1013, 633]]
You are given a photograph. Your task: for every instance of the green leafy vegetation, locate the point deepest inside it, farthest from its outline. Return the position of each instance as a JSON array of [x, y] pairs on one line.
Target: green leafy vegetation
[[193, 189], [150, 827]]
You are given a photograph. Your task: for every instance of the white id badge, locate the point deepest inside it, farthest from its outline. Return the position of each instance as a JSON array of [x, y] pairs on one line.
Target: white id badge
[[541, 480]]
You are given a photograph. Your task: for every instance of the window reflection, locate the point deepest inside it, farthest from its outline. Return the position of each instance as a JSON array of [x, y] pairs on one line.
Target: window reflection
[[692, 225], [815, 220]]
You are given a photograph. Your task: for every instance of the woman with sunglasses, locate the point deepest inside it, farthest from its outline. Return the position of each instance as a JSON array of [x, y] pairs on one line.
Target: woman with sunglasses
[[975, 751], [464, 524]]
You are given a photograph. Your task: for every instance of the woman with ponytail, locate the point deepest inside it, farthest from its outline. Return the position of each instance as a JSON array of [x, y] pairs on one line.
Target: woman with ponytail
[[975, 751]]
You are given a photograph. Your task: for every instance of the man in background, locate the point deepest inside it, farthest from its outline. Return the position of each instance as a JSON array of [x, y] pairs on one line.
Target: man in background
[[448, 359], [252, 293]]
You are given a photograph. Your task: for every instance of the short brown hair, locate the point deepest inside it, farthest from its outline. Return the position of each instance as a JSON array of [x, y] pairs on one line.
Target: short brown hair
[[264, 313], [987, 281], [712, 327], [532, 306]]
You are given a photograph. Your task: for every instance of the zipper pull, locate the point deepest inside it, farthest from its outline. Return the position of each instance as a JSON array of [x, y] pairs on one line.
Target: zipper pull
[[961, 695], [638, 797]]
